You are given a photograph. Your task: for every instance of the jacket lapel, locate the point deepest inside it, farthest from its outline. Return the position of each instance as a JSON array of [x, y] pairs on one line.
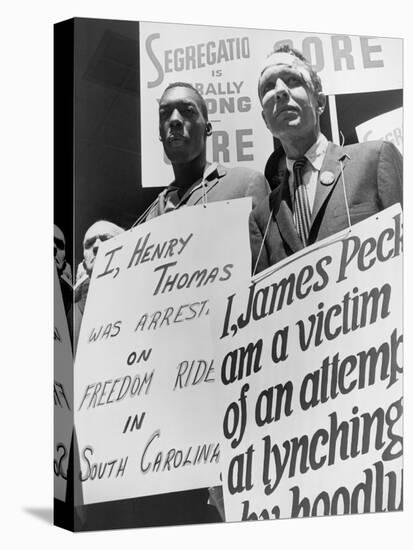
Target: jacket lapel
[[329, 175], [211, 177]]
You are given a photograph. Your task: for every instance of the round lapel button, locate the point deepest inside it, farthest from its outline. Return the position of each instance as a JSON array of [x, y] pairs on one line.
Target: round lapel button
[[327, 177]]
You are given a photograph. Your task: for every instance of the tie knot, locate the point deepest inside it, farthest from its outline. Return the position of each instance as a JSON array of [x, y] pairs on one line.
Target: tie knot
[[299, 164]]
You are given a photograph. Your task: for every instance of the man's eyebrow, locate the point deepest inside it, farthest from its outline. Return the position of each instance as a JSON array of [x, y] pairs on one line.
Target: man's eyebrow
[[289, 69], [177, 102], [279, 66], [89, 241]]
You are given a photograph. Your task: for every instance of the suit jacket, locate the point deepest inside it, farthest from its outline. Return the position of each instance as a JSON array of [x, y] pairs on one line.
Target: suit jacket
[[220, 184], [370, 173]]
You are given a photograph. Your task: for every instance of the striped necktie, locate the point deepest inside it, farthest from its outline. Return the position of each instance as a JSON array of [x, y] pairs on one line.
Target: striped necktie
[[302, 214]]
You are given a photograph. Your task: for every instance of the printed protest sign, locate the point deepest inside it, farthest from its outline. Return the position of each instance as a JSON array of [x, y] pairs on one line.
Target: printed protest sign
[[224, 65], [146, 409], [62, 393], [310, 364], [387, 127]]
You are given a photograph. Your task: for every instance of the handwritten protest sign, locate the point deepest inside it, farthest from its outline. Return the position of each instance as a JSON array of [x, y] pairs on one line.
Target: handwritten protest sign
[[62, 393], [310, 364], [146, 412], [388, 127], [224, 64]]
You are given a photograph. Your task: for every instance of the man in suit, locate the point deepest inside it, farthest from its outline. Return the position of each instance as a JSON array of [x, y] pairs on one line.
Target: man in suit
[[319, 187], [183, 130]]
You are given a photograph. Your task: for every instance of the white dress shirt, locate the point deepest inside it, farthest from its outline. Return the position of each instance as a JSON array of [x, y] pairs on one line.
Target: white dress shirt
[[311, 171]]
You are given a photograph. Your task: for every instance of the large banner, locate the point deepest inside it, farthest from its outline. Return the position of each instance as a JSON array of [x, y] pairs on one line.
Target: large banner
[[146, 398], [62, 393], [223, 64], [310, 364]]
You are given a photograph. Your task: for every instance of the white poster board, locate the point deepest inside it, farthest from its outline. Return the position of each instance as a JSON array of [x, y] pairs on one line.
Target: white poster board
[[146, 409], [388, 127], [310, 364], [62, 393], [223, 64]]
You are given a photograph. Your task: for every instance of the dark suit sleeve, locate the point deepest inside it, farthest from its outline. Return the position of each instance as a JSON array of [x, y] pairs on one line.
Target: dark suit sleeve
[[259, 255], [390, 175]]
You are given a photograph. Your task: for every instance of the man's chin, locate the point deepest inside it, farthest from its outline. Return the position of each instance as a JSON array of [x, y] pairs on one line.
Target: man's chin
[[177, 155], [177, 143], [288, 128]]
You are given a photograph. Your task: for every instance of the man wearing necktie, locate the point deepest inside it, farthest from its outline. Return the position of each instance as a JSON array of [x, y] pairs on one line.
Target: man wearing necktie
[[319, 188]]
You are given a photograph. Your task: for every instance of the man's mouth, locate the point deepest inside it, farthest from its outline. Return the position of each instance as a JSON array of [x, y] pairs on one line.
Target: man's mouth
[[286, 110], [175, 138]]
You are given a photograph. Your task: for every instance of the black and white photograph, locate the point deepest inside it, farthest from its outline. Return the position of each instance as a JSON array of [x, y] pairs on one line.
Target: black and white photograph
[[236, 322], [225, 188]]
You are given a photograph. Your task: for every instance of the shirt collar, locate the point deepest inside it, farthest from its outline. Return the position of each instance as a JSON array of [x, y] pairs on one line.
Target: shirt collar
[[315, 154], [206, 176], [171, 192]]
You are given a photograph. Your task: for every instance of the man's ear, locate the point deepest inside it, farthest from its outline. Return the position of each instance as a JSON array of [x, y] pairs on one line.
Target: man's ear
[[208, 129], [321, 102]]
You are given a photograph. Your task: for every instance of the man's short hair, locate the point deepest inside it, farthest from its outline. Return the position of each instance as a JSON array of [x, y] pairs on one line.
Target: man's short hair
[[286, 48], [204, 109]]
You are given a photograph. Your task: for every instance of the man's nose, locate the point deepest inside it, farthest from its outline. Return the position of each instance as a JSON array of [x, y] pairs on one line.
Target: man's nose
[[281, 90], [96, 246], [175, 119]]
